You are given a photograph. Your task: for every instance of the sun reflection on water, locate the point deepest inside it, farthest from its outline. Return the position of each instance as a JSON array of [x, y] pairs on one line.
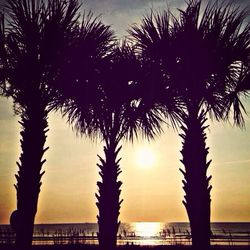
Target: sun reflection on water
[[147, 229]]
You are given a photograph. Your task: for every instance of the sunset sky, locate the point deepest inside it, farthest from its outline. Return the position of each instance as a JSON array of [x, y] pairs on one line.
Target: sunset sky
[[152, 188]]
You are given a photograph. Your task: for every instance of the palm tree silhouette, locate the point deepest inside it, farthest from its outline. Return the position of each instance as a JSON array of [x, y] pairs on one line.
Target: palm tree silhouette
[[109, 102], [125, 112], [35, 35], [205, 60]]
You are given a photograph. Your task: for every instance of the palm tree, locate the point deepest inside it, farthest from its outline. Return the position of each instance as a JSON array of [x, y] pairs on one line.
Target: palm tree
[[36, 33], [123, 112], [107, 101], [205, 60], [117, 118]]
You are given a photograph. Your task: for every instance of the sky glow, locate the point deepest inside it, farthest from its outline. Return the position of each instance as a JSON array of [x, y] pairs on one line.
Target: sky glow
[[152, 188]]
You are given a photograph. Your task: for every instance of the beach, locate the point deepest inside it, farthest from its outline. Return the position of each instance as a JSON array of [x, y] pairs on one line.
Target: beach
[[136, 235], [92, 247]]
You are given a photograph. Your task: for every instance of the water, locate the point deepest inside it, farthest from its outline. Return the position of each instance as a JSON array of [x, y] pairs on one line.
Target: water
[[141, 233]]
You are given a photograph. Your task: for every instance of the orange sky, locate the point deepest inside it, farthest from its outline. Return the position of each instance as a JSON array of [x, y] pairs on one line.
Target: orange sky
[[151, 193]]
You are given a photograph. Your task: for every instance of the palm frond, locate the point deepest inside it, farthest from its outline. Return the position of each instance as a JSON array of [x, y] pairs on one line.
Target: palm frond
[[37, 35], [111, 102], [203, 56], [81, 95], [3, 59]]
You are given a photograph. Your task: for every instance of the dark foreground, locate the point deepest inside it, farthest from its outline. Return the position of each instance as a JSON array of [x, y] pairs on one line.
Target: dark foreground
[[131, 247]]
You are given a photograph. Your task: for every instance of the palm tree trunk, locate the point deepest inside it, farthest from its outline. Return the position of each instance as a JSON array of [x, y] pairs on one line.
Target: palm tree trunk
[[33, 137], [108, 200], [196, 183]]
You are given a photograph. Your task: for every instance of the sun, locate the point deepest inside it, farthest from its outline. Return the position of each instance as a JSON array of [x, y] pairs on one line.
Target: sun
[[147, 229], [145, 157]]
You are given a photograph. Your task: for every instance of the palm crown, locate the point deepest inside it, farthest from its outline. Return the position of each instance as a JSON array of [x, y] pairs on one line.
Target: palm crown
[[37, 33], [113, 102], [180, 47]]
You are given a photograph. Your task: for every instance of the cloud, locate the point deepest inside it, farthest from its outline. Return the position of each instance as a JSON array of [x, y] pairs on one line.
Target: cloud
[[121, 5], [120, 14], [124, 5]]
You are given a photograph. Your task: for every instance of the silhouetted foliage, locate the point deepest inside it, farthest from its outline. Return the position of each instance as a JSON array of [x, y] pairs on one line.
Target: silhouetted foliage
[[104, 100], [81, 101], [124, 115], [2, 57], [36, 32], [204, 60]]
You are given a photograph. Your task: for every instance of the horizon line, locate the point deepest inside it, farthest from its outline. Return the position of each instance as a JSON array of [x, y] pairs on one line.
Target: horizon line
[[58, 223]]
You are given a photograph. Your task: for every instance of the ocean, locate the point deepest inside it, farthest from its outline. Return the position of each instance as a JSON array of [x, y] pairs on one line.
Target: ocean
[[138, 233]]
